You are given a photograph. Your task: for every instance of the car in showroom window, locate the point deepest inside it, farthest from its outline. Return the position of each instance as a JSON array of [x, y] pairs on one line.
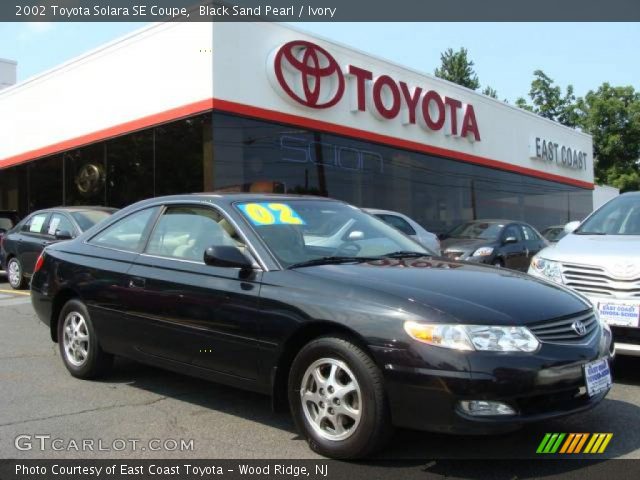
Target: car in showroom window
[[600, 258], [345, 332]]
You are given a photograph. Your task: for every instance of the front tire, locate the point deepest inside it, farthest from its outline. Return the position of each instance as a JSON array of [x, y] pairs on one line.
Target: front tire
[[15, 274], [337, 399], [78, 342]]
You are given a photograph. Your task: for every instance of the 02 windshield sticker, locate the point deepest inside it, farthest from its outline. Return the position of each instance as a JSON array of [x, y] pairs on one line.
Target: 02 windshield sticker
[[265, 213]]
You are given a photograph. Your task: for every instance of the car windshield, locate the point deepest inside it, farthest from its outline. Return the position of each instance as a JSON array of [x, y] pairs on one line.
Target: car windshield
[[483, 230], [302, 231], [621, 216], [554, 234], [88, 218]]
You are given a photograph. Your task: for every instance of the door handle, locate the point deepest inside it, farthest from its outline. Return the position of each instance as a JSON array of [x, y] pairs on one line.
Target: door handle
[[137, 282]]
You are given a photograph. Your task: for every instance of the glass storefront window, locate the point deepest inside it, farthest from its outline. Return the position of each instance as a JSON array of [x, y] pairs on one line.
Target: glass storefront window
[[224, 152]]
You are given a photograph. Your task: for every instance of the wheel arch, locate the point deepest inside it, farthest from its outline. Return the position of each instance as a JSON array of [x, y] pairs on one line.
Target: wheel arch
[[294, 343], [61, 298]]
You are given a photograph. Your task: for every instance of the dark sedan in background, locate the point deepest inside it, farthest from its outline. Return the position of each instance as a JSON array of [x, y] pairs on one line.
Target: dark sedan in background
[[23, 243], [8, 220], [354, 335], [501, 243]]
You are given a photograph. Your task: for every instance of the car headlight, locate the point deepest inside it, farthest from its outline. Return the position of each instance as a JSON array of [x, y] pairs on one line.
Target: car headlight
[[474, 337], [483, 252], [546, 268]]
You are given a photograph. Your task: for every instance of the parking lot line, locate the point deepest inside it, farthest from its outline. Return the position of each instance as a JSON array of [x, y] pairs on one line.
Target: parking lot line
[[17, 292]]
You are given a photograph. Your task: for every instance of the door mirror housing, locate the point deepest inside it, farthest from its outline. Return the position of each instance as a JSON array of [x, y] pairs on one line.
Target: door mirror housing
[[226, 257], [63, 235], [510, 240], [571, 226]]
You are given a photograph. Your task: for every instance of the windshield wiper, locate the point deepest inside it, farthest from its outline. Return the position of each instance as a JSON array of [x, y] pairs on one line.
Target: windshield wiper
[[332, 260], [406, 253]]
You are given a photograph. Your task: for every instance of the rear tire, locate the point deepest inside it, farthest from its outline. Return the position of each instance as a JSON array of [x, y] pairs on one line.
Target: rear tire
[[337, 399], [78, 342], [15, 274]]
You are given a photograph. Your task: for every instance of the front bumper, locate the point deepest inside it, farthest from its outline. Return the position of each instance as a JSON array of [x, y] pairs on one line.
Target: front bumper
[[541, 386]]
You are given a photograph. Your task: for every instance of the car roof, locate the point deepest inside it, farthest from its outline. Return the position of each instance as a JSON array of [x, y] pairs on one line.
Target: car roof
[[378, 210], [228, 198], [78, 208]]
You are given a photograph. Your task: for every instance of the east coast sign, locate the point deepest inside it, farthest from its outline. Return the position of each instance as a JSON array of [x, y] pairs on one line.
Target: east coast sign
[[307, 75]]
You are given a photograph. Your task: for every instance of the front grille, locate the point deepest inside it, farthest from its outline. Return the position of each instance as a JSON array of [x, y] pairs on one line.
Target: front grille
[[597, 281], [560, 330]]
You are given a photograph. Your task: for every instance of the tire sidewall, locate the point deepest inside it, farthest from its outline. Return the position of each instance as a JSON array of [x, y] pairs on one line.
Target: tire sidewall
[[89, 367], [370, 404], [20, 284]]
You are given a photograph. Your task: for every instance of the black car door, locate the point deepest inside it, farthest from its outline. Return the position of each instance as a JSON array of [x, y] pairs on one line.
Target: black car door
[[192, 312], [533, 240], [101, 276], [513, 252], [31, 240]]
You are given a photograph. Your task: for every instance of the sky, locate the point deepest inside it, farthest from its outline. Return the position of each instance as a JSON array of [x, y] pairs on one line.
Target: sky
[[505, 54]]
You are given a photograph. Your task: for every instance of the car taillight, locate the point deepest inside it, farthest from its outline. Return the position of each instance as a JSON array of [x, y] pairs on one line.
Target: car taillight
[[39, 262]]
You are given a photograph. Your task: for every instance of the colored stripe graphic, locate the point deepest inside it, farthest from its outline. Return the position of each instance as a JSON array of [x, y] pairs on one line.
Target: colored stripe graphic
[[574, 443], [550, 443]]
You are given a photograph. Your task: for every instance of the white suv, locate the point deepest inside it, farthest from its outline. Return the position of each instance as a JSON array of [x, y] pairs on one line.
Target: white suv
[[601, 260]]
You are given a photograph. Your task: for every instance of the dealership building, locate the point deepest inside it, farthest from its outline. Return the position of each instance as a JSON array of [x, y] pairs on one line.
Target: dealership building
[[262, 107]]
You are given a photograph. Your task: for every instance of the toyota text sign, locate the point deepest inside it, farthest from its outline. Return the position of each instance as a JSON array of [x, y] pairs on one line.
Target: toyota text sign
[[307, 75]]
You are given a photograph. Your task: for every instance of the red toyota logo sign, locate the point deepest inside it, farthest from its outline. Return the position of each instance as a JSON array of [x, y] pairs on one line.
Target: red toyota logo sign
[[308, 74]]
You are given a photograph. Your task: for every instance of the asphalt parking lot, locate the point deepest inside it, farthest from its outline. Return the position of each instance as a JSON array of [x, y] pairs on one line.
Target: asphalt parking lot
[[139, 404]]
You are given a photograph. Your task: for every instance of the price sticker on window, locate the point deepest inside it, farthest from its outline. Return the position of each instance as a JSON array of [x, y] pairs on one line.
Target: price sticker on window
[[266, 213]]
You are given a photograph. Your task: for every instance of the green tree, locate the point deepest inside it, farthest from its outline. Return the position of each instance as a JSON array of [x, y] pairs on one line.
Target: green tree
[[457, 68], [548, 101], [490, 92], [612, 116]]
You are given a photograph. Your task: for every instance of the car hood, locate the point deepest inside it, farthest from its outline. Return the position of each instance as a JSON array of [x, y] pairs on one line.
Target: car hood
[[596, 250], [441, 290], [464, 245]]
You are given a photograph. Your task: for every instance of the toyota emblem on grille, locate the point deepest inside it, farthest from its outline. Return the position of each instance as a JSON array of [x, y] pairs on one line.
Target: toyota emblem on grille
[[579, 328], [624, 270]]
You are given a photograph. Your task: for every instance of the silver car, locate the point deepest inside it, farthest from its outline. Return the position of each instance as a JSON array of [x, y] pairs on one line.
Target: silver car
[[601, 259], [408, 226]]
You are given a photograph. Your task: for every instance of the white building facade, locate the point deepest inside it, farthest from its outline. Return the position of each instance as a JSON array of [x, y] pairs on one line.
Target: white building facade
[[182, 107]]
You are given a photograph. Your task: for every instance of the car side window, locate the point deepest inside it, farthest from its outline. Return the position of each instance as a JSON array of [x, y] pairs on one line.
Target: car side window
[[127, 233], [185, 232], [398, 222], [35, 223], [59, 222], [512, 231], [528, 233]]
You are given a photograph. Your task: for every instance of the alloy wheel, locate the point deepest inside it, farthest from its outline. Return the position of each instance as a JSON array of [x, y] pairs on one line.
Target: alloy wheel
[[14, 273], [331, 399], [76, 339]]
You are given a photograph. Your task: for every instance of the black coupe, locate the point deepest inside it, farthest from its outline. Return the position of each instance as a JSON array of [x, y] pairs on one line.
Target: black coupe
[[353, 329]]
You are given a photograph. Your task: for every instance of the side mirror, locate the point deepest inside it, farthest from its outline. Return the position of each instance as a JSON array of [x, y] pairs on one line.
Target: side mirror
[[226, 257], [510, 240], [571, 226], [63, 235]]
